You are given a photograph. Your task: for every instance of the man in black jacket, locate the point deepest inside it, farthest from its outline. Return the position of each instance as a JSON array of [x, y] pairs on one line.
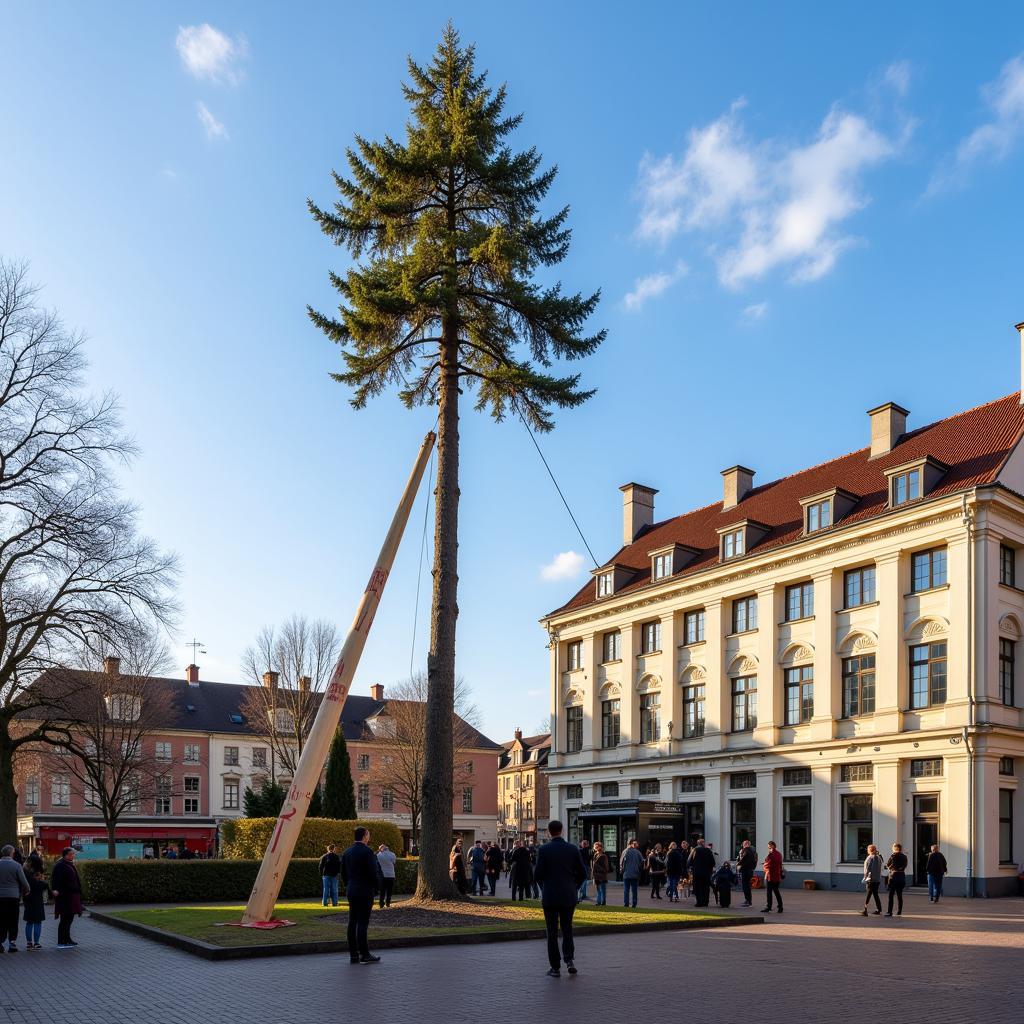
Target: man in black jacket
[[936, 869], [702, 864], [330, 868], [560, 873], [359, 873], [746, 864]]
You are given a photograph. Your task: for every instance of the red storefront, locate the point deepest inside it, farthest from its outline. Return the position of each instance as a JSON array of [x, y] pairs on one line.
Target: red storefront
[[138, 839]]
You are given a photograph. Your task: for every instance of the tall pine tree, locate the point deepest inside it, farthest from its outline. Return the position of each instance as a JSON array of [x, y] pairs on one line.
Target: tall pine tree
[[448, 237], [339, 797]]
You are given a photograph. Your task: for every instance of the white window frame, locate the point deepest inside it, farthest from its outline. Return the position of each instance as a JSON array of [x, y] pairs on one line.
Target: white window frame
[[732, 544], [605, 584], [819, 515]]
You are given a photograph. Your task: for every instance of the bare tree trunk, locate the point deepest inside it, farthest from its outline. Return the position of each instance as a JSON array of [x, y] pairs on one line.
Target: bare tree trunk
[[111, 844], [436, 806], [8, 794]]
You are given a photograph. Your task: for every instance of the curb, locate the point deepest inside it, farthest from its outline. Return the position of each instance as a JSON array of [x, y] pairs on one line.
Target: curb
[[209, 951]]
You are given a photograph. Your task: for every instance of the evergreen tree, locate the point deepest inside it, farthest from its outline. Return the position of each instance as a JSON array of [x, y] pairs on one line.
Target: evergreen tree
[[272, 799], [316, 804], [339, 799], [252, 804], [449, 233]]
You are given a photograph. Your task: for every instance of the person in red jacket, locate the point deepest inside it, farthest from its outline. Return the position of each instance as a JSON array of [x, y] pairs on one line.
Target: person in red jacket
[[772, 876]]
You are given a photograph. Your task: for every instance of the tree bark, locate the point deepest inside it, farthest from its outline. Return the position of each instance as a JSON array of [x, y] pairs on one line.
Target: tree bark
[[436, 814], [8, 794], [111, 844]]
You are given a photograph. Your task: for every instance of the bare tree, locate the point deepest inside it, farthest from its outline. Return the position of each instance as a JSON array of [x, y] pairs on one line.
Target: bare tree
[[112, 716], [74, 572], [401, 736], [289, 667]]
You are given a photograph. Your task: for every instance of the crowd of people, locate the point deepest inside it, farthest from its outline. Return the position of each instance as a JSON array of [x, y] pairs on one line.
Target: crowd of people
[[23, 884]]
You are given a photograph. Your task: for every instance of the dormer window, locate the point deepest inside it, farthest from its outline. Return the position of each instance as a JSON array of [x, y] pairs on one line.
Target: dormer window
[[124, 707], [668, 560], [732, 544], [914, 480], [819, 515], [905, 487], [662, 567], [604, 585]]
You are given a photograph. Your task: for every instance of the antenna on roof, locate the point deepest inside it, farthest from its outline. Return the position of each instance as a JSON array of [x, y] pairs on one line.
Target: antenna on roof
[[198, 647]]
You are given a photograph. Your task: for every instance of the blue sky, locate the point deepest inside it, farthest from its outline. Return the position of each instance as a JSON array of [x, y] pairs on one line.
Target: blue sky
[[793, 215]]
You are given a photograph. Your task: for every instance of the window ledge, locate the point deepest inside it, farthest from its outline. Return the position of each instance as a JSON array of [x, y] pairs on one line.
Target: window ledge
[[927, 590], [1013, 587], [803, 618], [693, 643], [648, 654], [614, 661], [854, 607], [857, 718], [742, 632]]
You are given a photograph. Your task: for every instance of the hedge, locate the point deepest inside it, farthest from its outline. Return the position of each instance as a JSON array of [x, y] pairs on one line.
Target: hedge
[[190, 881], [248, 838]]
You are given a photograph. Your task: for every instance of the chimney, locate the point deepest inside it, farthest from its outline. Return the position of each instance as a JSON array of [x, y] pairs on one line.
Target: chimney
[[192, 673], [637, 510], [888, 424], [111, 665], [519, 734], [304, 684], [1020, 328], [270, 680], [738, 481], [377, 691]]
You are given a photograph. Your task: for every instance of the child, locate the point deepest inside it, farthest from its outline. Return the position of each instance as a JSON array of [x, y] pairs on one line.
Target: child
[[35, 909]]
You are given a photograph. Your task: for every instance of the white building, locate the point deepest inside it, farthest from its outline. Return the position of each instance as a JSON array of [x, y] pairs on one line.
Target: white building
[[826, 660]]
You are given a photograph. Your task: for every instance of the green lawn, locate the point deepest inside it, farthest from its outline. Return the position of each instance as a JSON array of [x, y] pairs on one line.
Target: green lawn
[[314, 922]]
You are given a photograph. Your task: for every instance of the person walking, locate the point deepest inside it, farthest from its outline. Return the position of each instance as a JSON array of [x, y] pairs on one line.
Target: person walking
[[723, 880], [477, 868], [896, 880], [936, 869], [675, 865], [457, 868], [746, 864], [773, 876], [66, 889], [702, 866], [600, 868], [531, 848], [13, 885], [631, 867], [520, 871], [386, 860], [359, 873], [35, 909], [560, 873], [586, 854], [493, 863], [656, 869], [872, 879], [330, 868]]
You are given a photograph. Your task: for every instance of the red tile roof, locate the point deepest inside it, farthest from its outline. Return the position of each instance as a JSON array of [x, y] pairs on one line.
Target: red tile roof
[[973, 444]]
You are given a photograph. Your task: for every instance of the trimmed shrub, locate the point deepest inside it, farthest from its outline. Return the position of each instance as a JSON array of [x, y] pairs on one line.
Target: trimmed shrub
[[248, 838], [192, 881]]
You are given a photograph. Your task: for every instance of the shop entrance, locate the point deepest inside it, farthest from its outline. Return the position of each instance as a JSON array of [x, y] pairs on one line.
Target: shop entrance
[[926, 833]]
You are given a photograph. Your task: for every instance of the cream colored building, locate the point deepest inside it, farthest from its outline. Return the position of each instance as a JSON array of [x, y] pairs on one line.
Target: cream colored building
[[826, 660]]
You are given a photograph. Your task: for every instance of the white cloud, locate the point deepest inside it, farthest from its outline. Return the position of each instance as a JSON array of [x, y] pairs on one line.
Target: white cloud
[[653, 285], [897, 77], [214, 129], [996, 138], [208, 53], [564, 566], [767, 204], [756, 311]]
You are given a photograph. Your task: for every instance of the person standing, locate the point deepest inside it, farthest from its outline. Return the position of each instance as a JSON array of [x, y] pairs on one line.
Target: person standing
[[896, 865], [35, 909], [656, 869], [560, 873], [675, 865], [478, 866], [702, 866], [13, 885], [585, 855], [330, 868], [66, 888], [457, 868], [531, 848], [936, 869], [493, 864], [872, 879], [520, 871], [359, 873], [386, 861], [746, 863], [631, 866], [34, 864], [600, 867], [724, 879], [773, 875]]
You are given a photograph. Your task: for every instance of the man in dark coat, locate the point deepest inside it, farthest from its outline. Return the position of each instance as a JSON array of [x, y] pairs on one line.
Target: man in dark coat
[[520, 871], [936, 869], [494, 863], [702, 865], [359, 873], [746, 864], [66, 890], [560, 873]]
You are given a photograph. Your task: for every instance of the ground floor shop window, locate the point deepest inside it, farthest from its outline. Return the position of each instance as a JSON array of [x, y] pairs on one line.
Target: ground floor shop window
[[856, 826], [743, 815], [1006, 826], [796, 828]]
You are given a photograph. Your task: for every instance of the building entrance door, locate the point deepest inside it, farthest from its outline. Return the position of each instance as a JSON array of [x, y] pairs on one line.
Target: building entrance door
[[926, 832]]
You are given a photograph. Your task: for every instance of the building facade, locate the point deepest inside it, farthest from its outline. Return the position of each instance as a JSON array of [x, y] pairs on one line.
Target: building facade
[[523, 800], [827, 660]]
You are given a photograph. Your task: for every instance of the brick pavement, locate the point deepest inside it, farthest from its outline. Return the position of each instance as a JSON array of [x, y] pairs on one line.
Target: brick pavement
[[819, 961]]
